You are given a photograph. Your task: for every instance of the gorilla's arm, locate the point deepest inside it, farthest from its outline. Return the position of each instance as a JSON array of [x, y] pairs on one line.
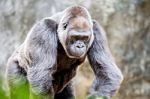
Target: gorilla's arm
[[41, 50], [108, 77]]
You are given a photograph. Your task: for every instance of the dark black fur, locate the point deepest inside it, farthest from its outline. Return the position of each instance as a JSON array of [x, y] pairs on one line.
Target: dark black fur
[[43, 62]]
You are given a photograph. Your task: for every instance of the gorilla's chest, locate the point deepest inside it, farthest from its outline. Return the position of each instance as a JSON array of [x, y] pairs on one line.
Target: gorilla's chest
[[66, 70]]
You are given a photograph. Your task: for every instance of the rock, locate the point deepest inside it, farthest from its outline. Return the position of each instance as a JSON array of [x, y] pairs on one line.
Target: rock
[[127, 23]]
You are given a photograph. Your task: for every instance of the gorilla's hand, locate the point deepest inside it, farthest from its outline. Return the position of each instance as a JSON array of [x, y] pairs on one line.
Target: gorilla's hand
[[96, 97], [40, 84]]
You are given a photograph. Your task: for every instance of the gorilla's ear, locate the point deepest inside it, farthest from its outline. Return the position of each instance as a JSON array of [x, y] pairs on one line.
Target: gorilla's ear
[[41, 44], [107, 75]]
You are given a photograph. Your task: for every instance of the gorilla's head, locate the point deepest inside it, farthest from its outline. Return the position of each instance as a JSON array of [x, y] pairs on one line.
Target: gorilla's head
[[75, 31]]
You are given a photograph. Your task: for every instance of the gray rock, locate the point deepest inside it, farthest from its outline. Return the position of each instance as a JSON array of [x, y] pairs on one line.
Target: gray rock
[[127, 23]]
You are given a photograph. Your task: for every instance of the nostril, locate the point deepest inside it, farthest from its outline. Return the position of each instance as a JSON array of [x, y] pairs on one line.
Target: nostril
[[80, 46]]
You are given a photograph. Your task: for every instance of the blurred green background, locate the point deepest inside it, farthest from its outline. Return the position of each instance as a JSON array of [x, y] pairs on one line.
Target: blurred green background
[[127, 23]]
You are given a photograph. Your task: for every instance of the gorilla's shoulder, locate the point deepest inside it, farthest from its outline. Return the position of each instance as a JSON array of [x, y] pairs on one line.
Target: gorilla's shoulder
[[49, 23]]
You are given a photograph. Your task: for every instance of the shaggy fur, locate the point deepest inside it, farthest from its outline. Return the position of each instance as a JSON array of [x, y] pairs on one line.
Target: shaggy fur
[[42, 60]]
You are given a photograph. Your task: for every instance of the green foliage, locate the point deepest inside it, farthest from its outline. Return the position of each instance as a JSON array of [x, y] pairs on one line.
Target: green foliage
[[2, 92], [20, 92]]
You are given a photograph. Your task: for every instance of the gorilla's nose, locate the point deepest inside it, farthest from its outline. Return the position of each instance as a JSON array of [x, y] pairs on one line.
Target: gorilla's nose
[[80, 45]]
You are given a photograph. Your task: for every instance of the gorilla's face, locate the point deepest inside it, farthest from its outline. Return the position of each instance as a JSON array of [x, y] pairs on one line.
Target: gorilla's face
[[76, 36]]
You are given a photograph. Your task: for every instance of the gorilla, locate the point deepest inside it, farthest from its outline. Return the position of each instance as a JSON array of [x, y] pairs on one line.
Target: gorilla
[[52, 51]]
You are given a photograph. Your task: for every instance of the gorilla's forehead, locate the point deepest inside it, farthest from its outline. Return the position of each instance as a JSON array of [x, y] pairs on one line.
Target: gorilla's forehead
[[77, 11], [79, 23]]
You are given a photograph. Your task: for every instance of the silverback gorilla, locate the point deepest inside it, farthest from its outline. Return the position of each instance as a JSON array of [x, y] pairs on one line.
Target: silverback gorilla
[[54, 47]]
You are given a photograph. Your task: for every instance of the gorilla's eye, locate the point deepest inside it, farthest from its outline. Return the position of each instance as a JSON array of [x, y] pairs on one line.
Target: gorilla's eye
[[65, 26]]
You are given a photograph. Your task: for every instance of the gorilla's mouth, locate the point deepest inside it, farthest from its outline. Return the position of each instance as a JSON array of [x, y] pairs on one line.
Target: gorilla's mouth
[[77, 49]]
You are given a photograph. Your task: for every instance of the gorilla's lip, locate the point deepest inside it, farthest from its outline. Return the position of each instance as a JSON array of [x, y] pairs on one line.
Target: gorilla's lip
[[77, 55], [74, 55]]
